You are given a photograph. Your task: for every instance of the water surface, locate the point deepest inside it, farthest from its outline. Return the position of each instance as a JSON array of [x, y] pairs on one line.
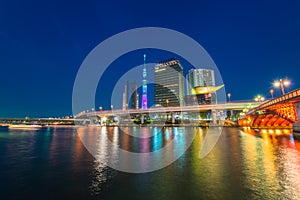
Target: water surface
[[54, 164]]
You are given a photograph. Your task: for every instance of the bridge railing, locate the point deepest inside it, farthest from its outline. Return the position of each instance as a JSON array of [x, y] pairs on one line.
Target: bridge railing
[[193, 108], [283, 98]]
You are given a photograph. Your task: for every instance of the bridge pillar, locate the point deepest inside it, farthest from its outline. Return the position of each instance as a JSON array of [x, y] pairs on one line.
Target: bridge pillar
[[103, 120], [142, 118], [173, 117], [296, 125], [214, 116]]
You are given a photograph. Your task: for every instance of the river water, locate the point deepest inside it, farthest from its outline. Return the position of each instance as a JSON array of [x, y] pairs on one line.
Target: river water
[[53, 163]]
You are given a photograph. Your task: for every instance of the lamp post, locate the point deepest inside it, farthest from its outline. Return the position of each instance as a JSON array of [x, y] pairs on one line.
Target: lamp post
[[100, 108], [282, 83], [229, 95], [167, 102], [195, 100], [259, 98], [272, 93]]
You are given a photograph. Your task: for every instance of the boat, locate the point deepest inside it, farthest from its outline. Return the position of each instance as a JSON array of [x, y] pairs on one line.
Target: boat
[[24, 126], [94, 125], [3, 126]]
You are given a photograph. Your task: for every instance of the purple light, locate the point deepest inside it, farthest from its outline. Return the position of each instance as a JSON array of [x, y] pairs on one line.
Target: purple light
[[144, 97], [144, 101]]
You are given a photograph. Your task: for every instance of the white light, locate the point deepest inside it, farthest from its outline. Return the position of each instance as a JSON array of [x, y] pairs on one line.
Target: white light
[[286, 83], [271, 131], [276, 84]]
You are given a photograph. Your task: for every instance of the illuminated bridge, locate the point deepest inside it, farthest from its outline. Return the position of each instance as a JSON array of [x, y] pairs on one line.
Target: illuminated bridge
[[171, 111], [279, 112]]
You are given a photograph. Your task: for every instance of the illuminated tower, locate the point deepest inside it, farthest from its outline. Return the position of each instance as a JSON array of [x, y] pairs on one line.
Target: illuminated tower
[[144, 97]]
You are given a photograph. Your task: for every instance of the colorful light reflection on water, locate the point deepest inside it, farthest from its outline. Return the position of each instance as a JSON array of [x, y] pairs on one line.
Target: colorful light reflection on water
[[54, 164]]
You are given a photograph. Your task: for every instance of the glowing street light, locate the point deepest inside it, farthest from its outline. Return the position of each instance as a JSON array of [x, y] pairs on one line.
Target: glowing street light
[[167, 102], [276, 84], [229, 95], [195, 99], [259, 98], [272, 93], [100, 108], [286, 83], [282, 83]]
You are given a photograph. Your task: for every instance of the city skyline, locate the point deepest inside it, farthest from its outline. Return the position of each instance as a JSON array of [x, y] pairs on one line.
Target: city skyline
[[149, 100], [165, 85], [252, 45]]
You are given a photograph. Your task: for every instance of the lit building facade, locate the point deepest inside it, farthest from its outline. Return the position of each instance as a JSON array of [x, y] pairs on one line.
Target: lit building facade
[[169, 85], [199, 78], [125, 96], [130, 96], [134, 96], [201, 87]]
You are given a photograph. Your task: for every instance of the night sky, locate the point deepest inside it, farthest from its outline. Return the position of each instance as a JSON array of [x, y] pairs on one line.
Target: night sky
[[43, 43]]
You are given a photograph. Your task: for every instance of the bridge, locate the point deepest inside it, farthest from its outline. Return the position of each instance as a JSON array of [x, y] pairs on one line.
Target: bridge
[[279, 112], [171, 111]]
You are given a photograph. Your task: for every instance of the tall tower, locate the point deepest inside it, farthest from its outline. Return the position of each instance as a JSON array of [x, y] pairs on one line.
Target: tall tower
[[144, 97]]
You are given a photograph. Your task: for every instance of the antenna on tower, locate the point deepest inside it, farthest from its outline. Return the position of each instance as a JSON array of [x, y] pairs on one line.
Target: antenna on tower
[[144, 97]]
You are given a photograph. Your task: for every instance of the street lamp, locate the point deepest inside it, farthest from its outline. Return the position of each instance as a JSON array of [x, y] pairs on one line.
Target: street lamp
[[272, 93], [167, 102], [195, 100], [100, 108], [259, 98], [111, 106], [229, 95], [282, 83]]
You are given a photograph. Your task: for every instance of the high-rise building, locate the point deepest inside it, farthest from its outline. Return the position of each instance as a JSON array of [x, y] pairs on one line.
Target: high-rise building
[[130, 97], [201, 87], [134, 96], [169, 86], [125, 96], [199, 78]]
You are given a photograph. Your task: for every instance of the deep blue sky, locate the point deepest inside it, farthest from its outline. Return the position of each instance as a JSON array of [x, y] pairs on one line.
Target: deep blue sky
[[43, 43]]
